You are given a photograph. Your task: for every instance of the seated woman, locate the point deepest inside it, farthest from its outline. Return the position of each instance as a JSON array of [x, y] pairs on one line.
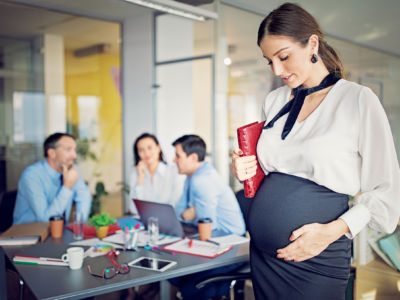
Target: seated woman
[[152, 179]]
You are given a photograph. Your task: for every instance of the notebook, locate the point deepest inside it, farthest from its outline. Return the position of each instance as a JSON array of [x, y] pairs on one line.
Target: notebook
[[168, 221], [199, 248], [248, 136]]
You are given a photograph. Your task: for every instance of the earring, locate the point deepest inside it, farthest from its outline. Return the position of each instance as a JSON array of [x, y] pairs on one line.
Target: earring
[[314, 58]]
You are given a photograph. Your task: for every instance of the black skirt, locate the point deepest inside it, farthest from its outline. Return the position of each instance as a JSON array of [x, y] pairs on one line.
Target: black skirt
[[283, 204]]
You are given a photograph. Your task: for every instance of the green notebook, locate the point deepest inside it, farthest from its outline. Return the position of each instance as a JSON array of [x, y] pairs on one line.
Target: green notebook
[[390, 245]]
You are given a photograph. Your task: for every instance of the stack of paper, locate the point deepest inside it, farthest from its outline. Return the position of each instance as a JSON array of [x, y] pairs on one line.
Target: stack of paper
[[230, 240], [19, 240], [33, 260], [25, 234], [142, 240]]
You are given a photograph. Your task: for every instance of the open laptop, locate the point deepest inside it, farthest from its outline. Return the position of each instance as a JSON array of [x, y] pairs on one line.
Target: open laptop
[[168, 221]]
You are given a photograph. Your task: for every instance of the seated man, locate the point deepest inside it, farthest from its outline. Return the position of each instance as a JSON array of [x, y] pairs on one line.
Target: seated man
[[204, 196], [49, 187]]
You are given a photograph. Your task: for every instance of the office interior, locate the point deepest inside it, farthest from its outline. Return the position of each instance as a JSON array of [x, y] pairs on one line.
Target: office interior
[[109, 70]]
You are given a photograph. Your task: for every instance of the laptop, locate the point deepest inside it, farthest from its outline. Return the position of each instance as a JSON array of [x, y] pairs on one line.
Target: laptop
[[168, 221]]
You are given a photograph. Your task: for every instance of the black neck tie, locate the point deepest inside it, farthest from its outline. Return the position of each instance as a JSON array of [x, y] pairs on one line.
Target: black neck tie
[[293, 107]]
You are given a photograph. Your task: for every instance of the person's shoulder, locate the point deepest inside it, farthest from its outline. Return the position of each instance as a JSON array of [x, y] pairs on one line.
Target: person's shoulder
[[278, 94], [35, 168], [32, 173], [358, 93], [206, 173], [351, 88], [277, 98]]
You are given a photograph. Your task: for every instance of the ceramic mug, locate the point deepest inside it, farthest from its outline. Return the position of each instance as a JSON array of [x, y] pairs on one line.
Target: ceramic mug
[[74, 257]]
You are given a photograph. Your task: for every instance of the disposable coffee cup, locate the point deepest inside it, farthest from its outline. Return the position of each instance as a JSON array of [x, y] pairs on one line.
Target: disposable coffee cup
[[56, 226], [205, 228]]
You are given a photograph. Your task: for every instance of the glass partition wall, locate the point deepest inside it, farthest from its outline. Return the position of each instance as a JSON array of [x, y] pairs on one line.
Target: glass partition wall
[[57, 73]]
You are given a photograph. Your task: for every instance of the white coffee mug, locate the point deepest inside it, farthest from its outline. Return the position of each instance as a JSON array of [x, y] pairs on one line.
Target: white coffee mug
[[74, 257]]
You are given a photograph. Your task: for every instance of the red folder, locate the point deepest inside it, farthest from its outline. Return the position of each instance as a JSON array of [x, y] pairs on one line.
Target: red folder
[[90, 231], [248, 136]]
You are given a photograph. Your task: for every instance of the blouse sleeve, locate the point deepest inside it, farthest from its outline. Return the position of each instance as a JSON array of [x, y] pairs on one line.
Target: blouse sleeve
[[379, 203]]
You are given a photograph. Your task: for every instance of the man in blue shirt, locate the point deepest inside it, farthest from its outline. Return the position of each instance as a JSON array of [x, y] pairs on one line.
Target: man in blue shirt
[[205, 195], [49, 187]]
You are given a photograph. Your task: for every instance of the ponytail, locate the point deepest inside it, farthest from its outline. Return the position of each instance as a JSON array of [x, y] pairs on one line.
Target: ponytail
[[331, 59]]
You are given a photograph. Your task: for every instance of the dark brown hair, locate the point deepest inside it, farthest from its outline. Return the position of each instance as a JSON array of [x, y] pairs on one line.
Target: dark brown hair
[[52, 140], [291, 20], [135, 148], [192, 144]]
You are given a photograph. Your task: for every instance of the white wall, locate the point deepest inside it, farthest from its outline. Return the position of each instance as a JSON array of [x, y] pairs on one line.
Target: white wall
[[137, 74]]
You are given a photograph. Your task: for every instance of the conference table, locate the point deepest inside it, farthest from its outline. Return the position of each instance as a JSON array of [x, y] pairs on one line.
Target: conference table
[[55, 282]]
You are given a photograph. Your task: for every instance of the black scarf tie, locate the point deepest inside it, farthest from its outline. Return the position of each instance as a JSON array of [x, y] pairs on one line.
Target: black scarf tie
[[293, 107]]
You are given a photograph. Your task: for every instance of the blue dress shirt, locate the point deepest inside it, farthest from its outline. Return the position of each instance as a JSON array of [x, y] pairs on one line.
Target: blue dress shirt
[[212, 198], [42, 195]]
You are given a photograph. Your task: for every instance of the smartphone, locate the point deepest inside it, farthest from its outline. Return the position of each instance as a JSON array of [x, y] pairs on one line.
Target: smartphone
[[151, 263]]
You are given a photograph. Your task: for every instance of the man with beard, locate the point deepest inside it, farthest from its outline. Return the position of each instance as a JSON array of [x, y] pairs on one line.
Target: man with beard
[[49, 187]]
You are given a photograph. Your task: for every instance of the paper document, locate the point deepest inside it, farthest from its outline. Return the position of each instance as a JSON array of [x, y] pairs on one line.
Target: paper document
[[143, 237], [19, 240], [230, 240], [31, 260], [94, 241], [196, 247]]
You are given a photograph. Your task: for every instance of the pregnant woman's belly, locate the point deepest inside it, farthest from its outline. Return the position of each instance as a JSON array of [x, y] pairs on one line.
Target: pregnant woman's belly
[[284, 203]]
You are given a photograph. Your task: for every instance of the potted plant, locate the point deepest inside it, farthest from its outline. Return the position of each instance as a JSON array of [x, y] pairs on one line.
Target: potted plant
[[101, 222]]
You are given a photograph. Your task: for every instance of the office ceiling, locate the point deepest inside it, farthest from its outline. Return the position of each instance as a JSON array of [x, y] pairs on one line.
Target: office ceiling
[[372, 23]]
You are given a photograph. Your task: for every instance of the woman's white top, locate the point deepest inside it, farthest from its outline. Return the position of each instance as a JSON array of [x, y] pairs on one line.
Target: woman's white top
[[165, 186], [346, 145]]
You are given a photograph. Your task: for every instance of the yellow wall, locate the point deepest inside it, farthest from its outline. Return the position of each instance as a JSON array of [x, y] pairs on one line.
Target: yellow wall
[[91, 76]]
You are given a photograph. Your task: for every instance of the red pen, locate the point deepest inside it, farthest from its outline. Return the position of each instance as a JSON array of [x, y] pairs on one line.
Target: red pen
[[190, 243]]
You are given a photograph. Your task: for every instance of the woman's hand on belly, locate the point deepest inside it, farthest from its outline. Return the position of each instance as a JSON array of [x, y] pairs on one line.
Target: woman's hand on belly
[[311, 239]]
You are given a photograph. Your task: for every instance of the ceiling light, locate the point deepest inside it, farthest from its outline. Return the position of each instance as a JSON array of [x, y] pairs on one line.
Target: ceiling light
[[227, 61], [178, 9]]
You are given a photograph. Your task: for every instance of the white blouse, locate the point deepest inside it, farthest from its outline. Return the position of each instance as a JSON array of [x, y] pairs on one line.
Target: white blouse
[[346, 145], [165, 186]]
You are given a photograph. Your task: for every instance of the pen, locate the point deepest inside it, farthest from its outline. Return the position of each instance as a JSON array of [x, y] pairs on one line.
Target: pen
[[152, 250], [190, 243], [213, 242]]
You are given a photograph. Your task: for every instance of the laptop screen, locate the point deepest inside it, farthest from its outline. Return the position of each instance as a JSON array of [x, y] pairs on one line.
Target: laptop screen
[[168, 221]]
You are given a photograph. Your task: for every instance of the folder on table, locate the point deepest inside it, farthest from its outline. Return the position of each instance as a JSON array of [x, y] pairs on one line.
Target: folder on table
[[196, 247], [25, 234]]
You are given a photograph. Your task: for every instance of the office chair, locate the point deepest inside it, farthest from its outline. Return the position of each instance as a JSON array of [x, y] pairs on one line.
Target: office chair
[[238, 276], [7, 204]]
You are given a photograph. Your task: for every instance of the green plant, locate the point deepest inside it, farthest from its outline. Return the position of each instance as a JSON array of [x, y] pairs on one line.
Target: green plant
[[102, 219], [100, 191], [83, 149]]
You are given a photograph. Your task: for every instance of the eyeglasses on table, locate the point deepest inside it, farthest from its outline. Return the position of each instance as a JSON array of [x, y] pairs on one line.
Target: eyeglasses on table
[[111, 271]]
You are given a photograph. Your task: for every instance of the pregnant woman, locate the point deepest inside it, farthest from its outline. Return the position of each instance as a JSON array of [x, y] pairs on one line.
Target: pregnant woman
[[325, 138]]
